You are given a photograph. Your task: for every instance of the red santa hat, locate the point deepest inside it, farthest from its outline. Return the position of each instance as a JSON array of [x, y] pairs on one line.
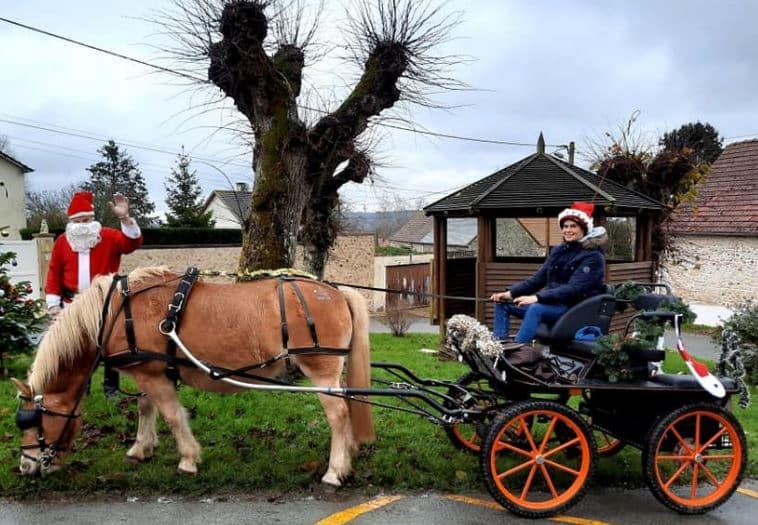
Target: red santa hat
[[81, 205], [581, 213]]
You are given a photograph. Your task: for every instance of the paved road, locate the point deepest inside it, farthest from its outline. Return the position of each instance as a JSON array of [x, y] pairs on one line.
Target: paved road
[[700, 346], [601, 506]]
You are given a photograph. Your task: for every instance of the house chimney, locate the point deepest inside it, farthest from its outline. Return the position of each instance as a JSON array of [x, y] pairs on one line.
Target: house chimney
[[572, 150], [541, 144], [242, 186]]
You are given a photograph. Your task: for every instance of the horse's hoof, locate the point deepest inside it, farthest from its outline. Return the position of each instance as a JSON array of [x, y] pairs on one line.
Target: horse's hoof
[[331, 479], [133, 460], [186, 472]]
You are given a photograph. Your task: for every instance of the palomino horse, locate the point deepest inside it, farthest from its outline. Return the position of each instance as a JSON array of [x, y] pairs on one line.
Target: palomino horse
[[227, 325]]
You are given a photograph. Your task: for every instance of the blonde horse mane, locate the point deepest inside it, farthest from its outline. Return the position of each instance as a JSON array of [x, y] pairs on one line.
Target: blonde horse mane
[[76, 327]]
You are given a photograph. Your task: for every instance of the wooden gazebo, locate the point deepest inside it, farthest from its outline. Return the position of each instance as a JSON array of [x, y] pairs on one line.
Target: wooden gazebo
[[540, 185]]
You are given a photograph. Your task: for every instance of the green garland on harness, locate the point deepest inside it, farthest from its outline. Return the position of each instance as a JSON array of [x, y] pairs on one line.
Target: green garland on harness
[[261, 274], [615, 353]]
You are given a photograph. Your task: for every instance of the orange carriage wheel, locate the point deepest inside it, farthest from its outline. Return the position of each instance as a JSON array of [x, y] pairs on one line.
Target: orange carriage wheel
[[468, 436], [694, 458], [538, 458]]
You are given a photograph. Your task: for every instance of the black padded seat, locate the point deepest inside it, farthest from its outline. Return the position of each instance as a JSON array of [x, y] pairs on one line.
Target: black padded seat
[[651, 301], [593, 311]]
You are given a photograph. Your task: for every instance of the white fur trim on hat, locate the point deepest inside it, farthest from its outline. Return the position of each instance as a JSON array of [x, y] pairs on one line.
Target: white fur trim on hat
[[82, 214], [578, 215]]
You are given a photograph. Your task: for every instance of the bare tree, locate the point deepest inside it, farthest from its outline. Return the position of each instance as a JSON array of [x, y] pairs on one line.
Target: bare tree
[[50, 205], [257, 51], [669, 176]]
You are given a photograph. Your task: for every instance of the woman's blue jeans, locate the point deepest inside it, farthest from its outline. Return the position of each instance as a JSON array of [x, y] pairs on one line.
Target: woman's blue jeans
[[532, 315]]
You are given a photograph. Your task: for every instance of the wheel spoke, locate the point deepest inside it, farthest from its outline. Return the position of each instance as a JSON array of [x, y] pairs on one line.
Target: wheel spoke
[[517, 468], [528, 433], [676, 475], [714, 438], [528, 483], [564, 468], [561, 447], [675, 458], [708, 474], [682, 441], [720, 457], [503, 445], [549, 481], [693, 489], [697, 431], [548, 432]]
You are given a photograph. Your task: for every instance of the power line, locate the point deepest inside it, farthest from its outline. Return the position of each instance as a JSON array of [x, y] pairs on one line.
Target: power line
[[205, 81], [101, 139]]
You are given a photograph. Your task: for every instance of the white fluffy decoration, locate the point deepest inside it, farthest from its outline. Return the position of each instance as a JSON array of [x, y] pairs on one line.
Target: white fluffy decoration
[[466, 334]]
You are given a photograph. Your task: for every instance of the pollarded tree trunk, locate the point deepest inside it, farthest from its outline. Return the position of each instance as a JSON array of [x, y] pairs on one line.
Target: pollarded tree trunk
[[296, 187]]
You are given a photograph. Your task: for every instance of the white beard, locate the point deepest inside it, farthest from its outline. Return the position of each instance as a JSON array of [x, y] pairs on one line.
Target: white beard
[[83, 236]]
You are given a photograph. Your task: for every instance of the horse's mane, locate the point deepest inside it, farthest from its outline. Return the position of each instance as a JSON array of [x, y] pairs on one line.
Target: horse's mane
[[75, 330]]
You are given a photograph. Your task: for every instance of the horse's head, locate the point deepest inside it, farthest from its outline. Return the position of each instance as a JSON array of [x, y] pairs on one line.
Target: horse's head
[[49, 424]]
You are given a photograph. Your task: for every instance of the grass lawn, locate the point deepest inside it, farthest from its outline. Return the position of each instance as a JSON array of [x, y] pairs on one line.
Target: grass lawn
[[276, 441]]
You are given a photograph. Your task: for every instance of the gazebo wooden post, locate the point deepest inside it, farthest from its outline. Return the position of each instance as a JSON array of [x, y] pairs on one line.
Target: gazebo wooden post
[[440, 269], [485, 254], [643, 237]]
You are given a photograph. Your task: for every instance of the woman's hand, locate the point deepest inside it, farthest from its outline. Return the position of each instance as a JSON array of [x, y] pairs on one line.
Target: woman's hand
[[525, 300], [501, 296]]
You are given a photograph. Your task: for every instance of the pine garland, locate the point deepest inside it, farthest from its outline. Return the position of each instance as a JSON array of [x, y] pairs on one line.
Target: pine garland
[[615, 354]]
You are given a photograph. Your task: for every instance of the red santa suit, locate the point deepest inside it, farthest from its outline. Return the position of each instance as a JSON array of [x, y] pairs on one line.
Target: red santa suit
[[71, 272]]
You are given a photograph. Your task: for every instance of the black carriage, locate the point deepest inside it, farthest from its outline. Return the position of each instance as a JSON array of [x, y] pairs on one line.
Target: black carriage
[[538, 439]]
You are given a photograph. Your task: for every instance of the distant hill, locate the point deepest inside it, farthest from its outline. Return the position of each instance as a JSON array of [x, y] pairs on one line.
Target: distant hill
[[383, 222]]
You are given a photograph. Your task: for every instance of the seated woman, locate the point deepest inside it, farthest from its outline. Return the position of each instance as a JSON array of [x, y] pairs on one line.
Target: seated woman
[[573, 271]]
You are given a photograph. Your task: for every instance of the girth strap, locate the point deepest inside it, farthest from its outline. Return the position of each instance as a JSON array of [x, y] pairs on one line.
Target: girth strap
[[128, 319]]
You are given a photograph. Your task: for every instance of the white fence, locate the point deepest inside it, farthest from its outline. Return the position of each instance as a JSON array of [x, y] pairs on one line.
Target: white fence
[[26, 267]]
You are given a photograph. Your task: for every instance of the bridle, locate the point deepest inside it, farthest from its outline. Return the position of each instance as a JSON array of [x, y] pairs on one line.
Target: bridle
[[27, 418]]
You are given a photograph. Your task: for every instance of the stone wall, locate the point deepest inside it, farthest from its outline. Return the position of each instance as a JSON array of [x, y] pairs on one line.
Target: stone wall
[[715, 270], [350, 261]]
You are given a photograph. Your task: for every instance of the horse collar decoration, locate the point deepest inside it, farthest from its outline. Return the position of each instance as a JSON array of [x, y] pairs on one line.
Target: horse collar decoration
[[247, 318]]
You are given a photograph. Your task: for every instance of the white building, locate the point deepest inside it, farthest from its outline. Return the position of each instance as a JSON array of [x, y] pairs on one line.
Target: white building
[[12, 196]]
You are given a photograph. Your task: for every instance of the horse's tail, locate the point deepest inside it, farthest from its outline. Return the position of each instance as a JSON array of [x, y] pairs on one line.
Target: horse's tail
[[359, 367]]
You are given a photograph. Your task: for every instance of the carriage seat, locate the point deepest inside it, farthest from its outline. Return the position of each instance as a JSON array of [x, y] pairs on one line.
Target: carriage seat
[[593, 311], [648, 302]]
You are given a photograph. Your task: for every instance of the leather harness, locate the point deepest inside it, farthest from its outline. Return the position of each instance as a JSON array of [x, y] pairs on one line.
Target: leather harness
[[134, 355]]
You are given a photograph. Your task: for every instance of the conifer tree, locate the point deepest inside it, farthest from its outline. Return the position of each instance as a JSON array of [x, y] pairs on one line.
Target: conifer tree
[[118, 173], [183, 197], [20, 315]]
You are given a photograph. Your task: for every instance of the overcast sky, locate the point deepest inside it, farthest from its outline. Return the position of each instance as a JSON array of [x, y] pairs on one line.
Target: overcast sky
[[569, 69]]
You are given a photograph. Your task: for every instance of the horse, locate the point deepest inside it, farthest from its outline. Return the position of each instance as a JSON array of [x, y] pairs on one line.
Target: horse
[[230, 325]]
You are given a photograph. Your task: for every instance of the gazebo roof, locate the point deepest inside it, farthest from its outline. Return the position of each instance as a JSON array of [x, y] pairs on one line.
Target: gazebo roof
[[540, 185]]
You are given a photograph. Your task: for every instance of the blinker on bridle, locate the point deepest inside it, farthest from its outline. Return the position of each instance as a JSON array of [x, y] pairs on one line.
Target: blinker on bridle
[[27, 418]]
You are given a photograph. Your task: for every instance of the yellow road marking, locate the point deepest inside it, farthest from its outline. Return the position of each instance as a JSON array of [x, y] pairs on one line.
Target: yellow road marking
[[351, 513], [475, 501], [496, 506], [748, 492]]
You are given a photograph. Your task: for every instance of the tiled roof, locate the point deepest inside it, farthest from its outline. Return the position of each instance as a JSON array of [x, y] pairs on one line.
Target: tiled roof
[[23, 167], [414, 230], [727, 201], [238, 202], [540, 181]]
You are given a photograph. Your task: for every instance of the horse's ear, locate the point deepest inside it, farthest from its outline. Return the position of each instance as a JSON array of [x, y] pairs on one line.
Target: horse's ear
[[23, 388]]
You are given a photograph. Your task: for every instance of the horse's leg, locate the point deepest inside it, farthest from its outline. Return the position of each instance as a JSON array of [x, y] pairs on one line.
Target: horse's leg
[[147, 437], [338, 415], [163, 394]]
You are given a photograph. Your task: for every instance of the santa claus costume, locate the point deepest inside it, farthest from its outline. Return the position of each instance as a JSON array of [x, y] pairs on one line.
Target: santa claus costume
[[86, 250]]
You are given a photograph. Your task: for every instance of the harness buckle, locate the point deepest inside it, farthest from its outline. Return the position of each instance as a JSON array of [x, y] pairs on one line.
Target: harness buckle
[[176, 306]]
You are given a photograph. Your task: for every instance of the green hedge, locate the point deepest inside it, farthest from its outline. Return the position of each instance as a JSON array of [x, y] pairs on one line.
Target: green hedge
[[176, 236]]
